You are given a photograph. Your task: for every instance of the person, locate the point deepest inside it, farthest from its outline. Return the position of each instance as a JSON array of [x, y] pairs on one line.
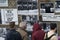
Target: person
[[22, 30], [51, 34], [38, 33], [13, 34], [58, 37]]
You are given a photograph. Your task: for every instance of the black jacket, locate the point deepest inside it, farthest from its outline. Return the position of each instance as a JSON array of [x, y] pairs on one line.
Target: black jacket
[[13, 35]]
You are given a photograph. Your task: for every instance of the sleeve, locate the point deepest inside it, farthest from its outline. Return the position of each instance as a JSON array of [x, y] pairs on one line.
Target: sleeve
[[19, 37], [54, 38], [33, 37], [25, 37], [45, 36], [7, 37]]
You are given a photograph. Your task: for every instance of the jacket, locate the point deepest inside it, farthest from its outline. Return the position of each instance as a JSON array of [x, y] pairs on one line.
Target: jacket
[[23, 34], [38, 33], [13, 35], [50, 33], [58, 37]]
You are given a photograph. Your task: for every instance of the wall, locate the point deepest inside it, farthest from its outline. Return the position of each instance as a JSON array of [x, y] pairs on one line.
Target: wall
[[11, 4]]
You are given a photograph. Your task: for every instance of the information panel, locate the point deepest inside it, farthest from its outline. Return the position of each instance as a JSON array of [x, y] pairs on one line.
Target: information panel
[[9, 15], [3, 3]]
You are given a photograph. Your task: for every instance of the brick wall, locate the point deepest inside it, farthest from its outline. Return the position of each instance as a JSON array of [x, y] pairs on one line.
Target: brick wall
[[11, 4]]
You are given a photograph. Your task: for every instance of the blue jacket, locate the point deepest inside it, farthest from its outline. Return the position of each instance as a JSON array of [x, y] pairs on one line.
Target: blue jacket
[[13, 35]]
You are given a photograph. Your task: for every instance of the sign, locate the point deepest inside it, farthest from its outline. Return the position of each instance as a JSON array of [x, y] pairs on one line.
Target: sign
[[51, 18], [57, 10], [46, 7], [47, 14], [9, 15], [3, 3], [28, 12]]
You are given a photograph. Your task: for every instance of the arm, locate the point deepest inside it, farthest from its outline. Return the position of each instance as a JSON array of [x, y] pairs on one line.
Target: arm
[[33, 37], [25, 37], [7, 37], [19, 37], [54, 38], [45, 36]]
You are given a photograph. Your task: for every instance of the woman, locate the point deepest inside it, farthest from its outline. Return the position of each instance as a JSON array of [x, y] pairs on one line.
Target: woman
[[38, 33]]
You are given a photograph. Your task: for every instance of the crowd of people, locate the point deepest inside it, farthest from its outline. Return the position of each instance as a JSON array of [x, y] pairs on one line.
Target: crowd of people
[[37, 34]]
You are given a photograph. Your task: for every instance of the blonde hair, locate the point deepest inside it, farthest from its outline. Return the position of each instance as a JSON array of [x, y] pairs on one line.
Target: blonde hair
[[22, 24]]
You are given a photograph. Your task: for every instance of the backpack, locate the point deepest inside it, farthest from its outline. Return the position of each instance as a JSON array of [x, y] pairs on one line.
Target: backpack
[[48, 38]]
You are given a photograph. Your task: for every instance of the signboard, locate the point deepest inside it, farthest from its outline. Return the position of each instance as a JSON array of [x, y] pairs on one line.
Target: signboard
[[9, 15], [51, 18], [28, 12], [27, 7], [3, 3], [57, 6], [46, 7]]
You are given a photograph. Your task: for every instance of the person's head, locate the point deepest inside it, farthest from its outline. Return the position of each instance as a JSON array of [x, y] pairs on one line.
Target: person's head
[[53, 26], [23, 25], [12, 24], [36, 27]]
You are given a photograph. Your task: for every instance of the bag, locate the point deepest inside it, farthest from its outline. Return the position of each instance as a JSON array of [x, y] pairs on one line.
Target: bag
[[48, 38]]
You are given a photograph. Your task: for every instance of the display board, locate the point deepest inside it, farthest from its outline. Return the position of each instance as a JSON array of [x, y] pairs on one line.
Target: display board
[[57, 6], [28, 12], [46, 8], [9, 15], [3, 3], [27, 7], [51, 18]]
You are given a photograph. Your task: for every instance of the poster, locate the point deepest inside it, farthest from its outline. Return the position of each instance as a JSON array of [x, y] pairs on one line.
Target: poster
[[0, 18], [27, 7], [51, 18], [9, 15], [3, 3], [28, 12], [46, 7], [57, 6]]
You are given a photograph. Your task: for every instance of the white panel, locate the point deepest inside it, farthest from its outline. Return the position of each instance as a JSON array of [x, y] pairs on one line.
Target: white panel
[[9, 15], [28, 12], [3, 3], [57, 10], [51, 18]]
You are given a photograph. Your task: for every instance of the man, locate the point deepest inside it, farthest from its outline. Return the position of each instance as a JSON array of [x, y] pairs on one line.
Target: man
[[22, 30], [51, 35], [13, 34]]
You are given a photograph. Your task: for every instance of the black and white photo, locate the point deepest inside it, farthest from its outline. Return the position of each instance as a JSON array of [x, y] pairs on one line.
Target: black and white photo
[[46, 7]]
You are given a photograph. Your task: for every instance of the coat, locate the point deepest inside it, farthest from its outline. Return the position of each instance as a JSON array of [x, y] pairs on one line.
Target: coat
[[23, 34], [13, 35], [38, 33], [58, 37], [55, 37]]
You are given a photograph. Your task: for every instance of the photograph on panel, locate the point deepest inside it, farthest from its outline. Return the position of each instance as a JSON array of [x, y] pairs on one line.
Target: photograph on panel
[[9, 15], [0, 17], [57, 6], [27, 7], [46, 7], [30, 18], [3, 3], [27, 4]]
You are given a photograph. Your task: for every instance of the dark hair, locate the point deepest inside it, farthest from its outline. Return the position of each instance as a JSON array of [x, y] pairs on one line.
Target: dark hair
[[12, 24], [53, 26]]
